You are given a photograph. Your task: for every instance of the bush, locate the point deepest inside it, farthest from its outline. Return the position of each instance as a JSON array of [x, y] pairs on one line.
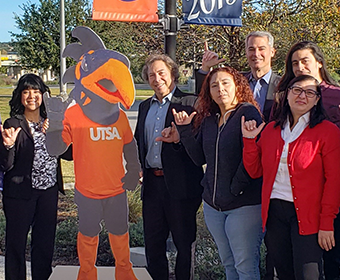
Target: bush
[[6, 81], [104, 255], [135, 204], [207, 260], [136, 234], [66, 242], [2, 232]]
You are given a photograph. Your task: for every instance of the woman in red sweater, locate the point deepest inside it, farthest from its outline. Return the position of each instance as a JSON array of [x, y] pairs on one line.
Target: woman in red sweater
[[298, 157]]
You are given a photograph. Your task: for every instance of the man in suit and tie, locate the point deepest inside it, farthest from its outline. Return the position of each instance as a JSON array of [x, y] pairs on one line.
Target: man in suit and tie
[[262, 80], [171, 191]]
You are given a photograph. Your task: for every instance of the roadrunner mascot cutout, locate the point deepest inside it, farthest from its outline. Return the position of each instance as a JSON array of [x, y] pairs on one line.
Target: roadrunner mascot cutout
[[100, 135]]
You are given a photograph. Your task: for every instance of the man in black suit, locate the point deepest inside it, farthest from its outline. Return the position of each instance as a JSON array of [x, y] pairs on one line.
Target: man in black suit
[[171, 191], [262, 80]]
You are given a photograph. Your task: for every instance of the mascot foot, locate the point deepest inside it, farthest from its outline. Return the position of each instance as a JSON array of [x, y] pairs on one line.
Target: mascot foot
[[87, 253], [121, 251]]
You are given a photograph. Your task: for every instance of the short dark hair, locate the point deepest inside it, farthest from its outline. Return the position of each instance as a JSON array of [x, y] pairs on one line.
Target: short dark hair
[[27, 81], [168, 62], [318, 55], [317, 113]]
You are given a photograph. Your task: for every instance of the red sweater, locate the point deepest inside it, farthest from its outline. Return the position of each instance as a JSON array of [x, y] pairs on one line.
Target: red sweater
[[314, 168]]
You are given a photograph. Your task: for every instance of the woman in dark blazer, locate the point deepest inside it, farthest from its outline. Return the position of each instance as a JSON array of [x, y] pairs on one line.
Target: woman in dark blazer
[[31, 182]]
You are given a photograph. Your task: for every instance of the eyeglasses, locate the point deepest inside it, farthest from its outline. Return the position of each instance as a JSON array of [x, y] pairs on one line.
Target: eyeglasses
[[309, 92]]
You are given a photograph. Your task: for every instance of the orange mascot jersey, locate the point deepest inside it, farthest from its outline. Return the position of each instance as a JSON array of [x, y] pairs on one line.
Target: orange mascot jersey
[[97, 152]]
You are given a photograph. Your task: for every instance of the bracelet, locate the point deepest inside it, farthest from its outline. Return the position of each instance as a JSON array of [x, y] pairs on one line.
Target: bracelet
[[8, 147]]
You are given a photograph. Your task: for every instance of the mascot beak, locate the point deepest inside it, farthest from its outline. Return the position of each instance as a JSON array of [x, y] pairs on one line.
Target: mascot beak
[[113, 82]]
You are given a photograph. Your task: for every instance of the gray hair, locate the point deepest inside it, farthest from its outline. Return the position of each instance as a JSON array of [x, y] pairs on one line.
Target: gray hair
[[261, 34], [168, 62]]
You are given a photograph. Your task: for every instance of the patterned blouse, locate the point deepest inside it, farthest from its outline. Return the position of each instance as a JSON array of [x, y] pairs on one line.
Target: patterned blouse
[[44, 169]]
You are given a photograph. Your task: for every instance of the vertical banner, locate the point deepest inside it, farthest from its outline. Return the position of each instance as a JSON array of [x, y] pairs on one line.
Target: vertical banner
[[213, 12], [125, 10]]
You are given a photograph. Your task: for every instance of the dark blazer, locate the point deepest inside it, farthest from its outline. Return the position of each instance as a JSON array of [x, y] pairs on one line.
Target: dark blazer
[[181, 175], [273, 82], [17, 162]]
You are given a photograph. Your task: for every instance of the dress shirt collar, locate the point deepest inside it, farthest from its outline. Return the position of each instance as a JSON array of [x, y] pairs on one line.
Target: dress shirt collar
[[291, 135], [265, 78], [165, 98]]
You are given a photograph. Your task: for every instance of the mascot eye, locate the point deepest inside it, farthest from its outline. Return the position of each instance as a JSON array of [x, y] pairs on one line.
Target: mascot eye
[[84, 65]]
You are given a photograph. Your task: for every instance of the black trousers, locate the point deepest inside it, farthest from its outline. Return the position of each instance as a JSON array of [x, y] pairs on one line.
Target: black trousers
[[163, 214], [332, 258], [294, 256], [40, 214]]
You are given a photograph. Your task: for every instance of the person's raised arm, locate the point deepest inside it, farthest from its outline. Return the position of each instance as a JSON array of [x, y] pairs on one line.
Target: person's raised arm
[[210, 58]]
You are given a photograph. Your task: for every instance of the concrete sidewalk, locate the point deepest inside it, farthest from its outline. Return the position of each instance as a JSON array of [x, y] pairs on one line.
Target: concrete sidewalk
[[2, 269], [137, 258]]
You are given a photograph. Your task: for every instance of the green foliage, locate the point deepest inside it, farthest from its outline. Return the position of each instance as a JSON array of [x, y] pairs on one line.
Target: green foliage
[[66, 240], [135, 204], [6, 47], [4, 80], [207, 260], [136, 234], [3, 70], [104, 255], [38, 42], [2, 231]]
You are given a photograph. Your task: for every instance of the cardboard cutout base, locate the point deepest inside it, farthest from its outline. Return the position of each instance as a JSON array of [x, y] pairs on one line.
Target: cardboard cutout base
[[64, 272]]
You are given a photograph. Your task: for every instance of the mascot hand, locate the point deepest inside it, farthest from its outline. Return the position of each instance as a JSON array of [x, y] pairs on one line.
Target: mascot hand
[[130, 180], [55, 107]]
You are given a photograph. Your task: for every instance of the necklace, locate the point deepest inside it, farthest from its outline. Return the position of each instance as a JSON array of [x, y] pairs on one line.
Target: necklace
[[31, 121], [37, 126]]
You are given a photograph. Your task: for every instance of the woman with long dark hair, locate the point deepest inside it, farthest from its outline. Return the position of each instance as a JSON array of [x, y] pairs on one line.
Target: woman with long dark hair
[[232, 201], [306, 58], [31, 182], [298, 157]]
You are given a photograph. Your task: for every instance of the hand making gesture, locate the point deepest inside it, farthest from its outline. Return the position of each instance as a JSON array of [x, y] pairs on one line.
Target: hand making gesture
[[182, 118], [249, 128], [170, 134], [210, 58], [9, 135]]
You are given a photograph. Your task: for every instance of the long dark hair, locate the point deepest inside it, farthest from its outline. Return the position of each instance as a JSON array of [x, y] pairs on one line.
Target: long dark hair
[[206, 106], [318, 55], [317, 113], [27, 81]]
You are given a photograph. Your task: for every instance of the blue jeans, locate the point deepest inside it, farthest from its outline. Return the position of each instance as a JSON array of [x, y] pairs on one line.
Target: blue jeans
[[238, 236]]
